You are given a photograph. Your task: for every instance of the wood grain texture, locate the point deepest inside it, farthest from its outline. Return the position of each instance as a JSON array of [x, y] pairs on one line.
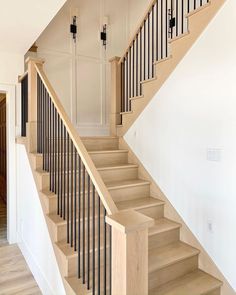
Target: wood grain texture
[[15, 276]]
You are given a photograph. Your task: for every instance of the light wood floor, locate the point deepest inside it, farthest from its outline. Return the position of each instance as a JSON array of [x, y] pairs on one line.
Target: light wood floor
[[15, 276]]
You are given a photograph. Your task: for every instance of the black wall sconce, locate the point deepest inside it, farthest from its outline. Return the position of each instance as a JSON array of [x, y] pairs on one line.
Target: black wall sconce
[[73, 28], [103, 35]]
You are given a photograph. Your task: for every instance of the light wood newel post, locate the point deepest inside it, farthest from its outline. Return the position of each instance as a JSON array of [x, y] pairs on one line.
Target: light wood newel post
[[32, 102], [115, 116], [129, 252]]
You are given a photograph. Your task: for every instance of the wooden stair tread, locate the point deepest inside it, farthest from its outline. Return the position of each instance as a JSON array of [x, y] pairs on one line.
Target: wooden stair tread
[[98, 137], [48, 193], [139, 203], [77, 286], [41, 171], [163, 225], [170, 254], [113, 166], [195, 283], [58, 221], [69, 251], [126, 183], [107, 152], [66, 249]]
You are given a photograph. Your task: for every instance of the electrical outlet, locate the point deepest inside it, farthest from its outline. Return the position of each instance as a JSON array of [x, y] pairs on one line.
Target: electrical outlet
[[210, 226], [214, 155]]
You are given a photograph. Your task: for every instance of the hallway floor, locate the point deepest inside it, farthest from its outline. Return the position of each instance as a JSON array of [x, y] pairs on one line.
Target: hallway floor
[[15, 276]]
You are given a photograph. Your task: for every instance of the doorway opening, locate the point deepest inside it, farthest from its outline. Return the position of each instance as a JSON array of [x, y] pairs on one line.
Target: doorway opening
[[3, 171]]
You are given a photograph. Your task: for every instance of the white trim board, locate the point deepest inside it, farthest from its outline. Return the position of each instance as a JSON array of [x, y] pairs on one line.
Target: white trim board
[[38, 274], [10, 91]]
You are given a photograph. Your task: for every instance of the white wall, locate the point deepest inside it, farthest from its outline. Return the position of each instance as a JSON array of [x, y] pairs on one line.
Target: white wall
[[33, 236], [21, 22], [195, 111], [11, 66]]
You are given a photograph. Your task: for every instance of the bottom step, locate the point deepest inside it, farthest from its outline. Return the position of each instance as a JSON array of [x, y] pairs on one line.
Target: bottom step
[[195, 283]]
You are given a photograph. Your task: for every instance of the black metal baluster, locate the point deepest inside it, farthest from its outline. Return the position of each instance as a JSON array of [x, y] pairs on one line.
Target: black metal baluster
[[71, 195], [88, 233], [58, 163], [75, 199], [122, 86], [130, 81], [177, 17], [46, 127], [43, 125], [148, 49], [56, 158], [110, 257], [167, 24], [188, 6], [37, 111], [79, 217], [53, 151], [182, 16], [50, 142], [133, 70], [64, 171], [48, 124], [140, 62], [22, 108], [194, 4], [105, 253], [41, 118], [83, 191], [144, 51], [68, 187], [94, 262], [99, 245], [162, 29], [137, 65], [153, 41], [157, 30], [127, 87]]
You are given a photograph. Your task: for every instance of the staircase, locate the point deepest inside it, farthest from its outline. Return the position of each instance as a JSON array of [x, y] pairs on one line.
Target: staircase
[[173, 265], [108, 228], [153, 53]]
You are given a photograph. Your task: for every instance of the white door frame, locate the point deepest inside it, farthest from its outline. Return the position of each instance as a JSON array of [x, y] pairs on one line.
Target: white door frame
[[10, 91]]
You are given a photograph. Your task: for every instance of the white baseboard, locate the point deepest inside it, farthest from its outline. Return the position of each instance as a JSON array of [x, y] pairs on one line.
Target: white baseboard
[[39, 276]]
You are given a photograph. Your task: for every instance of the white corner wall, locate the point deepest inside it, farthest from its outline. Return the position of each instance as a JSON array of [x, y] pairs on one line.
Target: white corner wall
[[33, 237], [195, 111]]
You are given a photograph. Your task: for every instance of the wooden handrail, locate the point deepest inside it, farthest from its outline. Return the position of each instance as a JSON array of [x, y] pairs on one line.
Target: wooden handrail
[[20, 78], [86, 159], [138, 29]]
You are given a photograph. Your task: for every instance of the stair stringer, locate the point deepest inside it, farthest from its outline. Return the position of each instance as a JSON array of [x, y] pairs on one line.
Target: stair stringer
[[39, 182], [198, 20], [186, 235]]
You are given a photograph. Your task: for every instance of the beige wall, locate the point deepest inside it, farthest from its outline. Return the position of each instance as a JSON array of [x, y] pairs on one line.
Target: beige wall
[[81, 78], [81, 75]]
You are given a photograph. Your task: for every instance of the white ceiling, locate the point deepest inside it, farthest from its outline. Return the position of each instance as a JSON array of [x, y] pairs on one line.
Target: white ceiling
[[22, 21]]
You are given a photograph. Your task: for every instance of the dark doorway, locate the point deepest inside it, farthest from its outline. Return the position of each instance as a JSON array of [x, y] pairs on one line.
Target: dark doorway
[[3, 171]]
